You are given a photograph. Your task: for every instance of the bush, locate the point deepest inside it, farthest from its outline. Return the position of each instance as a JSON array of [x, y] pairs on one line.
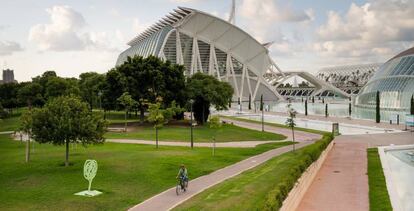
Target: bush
[[304, 158]]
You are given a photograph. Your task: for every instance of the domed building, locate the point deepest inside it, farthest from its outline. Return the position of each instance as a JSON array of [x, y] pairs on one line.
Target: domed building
[[395, 82]]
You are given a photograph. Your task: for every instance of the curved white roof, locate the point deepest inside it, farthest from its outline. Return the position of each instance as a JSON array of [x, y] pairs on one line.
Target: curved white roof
[[228, 38]]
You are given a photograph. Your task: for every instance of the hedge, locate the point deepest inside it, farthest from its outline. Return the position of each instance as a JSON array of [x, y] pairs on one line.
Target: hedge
[[305, 157]]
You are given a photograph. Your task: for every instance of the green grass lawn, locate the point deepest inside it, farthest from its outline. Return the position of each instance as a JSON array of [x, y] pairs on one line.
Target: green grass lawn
[[275, 125], [127, 173], [118, 116], [12, 123], [379, 199], [254, 189], [201, 134]]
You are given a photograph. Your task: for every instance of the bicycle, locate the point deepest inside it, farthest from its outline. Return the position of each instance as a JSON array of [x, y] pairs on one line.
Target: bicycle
[[182, 186]]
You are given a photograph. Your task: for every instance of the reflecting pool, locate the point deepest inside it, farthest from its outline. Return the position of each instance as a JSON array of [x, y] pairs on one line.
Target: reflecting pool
[[398, 165]]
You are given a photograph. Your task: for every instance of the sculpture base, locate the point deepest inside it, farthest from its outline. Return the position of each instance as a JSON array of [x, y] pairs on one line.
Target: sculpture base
[[87, 193]]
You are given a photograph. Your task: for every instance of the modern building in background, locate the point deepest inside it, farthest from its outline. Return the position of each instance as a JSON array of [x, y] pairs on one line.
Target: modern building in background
[[349, 78], [204, 43], [8, 77], [395, 82]]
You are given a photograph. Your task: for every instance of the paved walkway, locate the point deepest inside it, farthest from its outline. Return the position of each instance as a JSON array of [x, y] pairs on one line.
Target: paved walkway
[[234, 144], [300, 136], [342, 182], [6, 132], [168, 199]]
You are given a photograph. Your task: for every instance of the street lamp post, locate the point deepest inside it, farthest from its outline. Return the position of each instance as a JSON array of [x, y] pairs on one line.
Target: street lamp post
[[191, 122]]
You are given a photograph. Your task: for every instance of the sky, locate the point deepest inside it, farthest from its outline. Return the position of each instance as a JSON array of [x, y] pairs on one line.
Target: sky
[[71, 37]]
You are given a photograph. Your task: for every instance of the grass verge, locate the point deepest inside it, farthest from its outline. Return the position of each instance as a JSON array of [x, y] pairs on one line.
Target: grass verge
[[379, 199], [203, 133], [127, 173], [264, 187]]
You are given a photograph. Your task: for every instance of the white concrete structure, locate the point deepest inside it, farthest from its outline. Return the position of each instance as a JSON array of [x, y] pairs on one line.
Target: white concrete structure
[[319, 86], [204, 43]]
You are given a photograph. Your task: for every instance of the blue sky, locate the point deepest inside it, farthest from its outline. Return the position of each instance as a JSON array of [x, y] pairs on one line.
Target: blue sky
[[72, 37]]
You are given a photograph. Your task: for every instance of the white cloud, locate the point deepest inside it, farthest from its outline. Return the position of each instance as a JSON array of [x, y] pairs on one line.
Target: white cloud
[[65, 32], [9, 47], [138, 26], [376, 28], [3, 27], [263, 17]]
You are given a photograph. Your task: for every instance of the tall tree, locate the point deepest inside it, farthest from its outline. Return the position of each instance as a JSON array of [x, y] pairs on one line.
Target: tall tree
[[8, 95], [306, 107], [58, 86], [90, 85], [31, 94], [207, 91], [127, 102], [146, 79], [65, 120], [377, 108], [113, 88]]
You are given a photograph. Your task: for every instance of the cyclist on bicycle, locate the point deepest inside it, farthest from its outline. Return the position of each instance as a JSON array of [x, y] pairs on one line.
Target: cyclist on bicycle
[[182, 175]]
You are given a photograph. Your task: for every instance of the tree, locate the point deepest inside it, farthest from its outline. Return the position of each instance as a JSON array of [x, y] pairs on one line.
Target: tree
[[113, 88], [57, 86], [90, 85], [261, 109], [31, 94], [159, 116], [214, 123], [146, 79], [206, 91], [250, 102], [26, 124], [412, 105], [66, 119], [8, 95], [306, 107], [377, 108], [127, 102], [290, 122]]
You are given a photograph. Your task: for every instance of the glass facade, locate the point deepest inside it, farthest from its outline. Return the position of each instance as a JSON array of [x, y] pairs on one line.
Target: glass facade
[[146, 47], [395, 82]]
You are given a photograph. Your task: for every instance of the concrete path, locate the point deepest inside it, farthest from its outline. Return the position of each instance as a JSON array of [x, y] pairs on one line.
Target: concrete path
[[345, 120], [300, 136], [6, 132], [234, 144], [342, 182], [168, 199]]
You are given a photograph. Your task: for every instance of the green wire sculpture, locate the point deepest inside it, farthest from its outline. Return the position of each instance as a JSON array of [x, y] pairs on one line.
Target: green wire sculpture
[[89, 171]]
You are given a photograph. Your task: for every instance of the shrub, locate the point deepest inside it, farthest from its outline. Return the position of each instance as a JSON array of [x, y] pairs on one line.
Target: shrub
[[303, 158]]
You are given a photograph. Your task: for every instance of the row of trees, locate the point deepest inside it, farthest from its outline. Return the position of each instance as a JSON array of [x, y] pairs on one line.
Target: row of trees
[[47, 86], [147, 80]]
